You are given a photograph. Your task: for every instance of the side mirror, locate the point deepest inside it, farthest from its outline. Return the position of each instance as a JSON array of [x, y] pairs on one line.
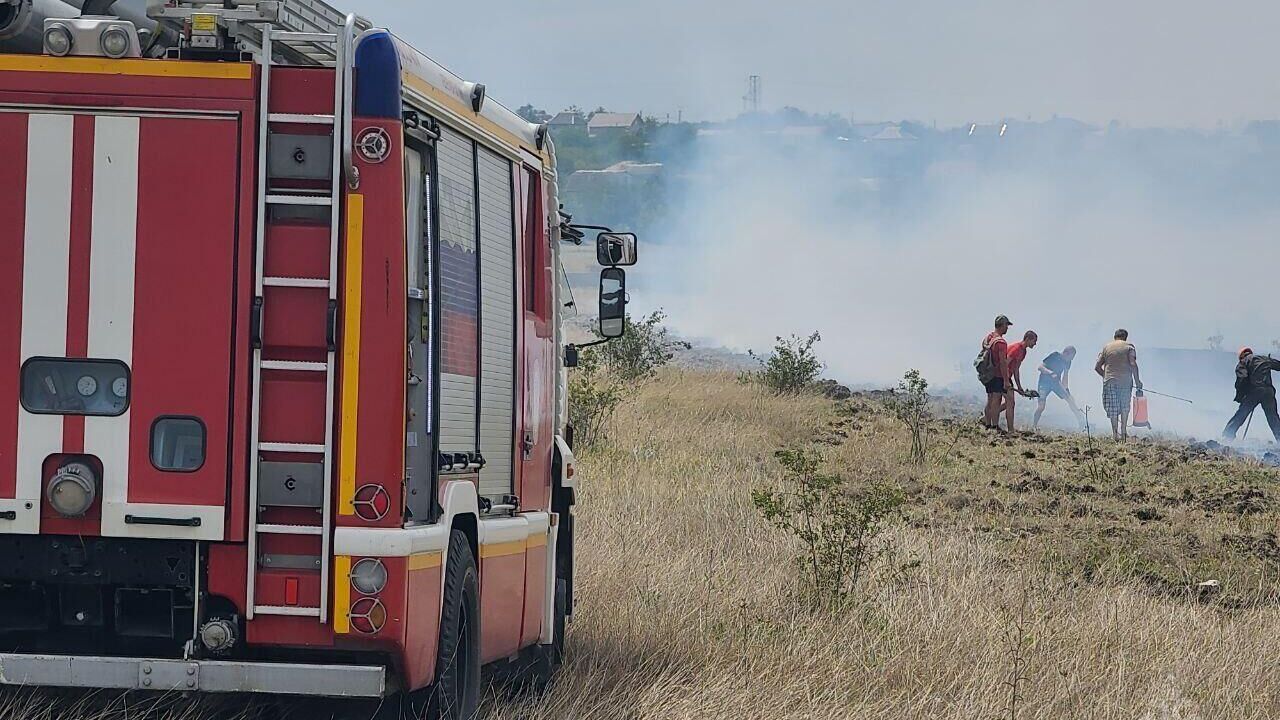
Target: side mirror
[[613, 302], [616, 249]]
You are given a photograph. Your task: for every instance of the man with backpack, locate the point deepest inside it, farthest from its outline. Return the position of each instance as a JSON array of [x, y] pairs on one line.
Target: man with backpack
[[992, 365], [1254, 388]]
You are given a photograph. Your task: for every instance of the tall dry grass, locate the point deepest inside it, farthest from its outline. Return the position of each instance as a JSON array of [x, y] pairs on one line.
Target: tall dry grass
[[687, 605]]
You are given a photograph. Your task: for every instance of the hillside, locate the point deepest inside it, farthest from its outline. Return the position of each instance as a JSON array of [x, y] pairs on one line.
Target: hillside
[[1083, 587]]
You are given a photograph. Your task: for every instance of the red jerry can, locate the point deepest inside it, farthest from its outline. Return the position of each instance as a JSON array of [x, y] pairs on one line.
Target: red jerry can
[[1139, 414]]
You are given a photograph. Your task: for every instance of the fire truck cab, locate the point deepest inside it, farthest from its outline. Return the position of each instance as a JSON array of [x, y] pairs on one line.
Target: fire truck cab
[[282, 406]]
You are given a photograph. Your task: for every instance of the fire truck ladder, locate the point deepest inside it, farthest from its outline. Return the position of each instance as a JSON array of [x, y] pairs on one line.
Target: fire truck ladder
[[340, 40]]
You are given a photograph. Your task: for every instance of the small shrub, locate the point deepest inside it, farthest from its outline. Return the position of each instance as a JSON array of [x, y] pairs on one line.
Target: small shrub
[[792, 367], [840, 531], [1099, 472], [593, 399], [910, 404], [644, 348], [610, 373]]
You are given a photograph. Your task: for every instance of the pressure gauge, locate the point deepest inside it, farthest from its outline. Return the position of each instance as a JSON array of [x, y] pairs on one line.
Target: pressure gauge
[[87, 385], [120, 387]]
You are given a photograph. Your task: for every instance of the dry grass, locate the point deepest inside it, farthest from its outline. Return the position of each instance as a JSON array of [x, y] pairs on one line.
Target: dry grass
[[688, 608]]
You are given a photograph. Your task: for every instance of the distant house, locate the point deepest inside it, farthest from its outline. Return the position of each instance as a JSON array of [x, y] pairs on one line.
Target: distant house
[[567, 118], [607, 123], [626, 167], [892, 134]]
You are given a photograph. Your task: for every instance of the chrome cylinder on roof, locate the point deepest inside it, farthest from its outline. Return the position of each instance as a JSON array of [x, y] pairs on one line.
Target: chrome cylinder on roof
[[22, 21]]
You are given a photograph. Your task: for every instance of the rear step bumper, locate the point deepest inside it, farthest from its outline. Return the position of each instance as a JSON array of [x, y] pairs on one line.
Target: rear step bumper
[[354, 681]]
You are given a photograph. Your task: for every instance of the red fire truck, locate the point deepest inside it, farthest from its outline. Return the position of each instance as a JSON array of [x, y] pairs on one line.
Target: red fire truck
[[283, 405]]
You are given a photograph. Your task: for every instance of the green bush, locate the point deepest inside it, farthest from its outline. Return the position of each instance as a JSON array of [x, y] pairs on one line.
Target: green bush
[[840, 528], [593, 398], [910, 404], [792, 367], [610, 373], [645, 347]]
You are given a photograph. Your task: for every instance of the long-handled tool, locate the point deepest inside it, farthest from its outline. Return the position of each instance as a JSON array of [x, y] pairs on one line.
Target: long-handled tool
[[1248, 422], [1171, 397]]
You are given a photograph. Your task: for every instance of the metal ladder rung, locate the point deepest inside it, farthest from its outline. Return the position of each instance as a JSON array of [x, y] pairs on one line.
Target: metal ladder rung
[[320, 200], [295, 282], [290, 447], [303, 37], [290, 529], [299, 611], [300, 119], [294, 365]]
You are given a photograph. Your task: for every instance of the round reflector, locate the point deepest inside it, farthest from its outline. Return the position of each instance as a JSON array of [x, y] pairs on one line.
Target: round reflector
[[371, 502], [369, 576], [368, 615]]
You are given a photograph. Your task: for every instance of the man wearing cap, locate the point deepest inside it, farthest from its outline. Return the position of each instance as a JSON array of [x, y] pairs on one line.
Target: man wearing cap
[[1254, 388], [997, 349], [1118, 366]]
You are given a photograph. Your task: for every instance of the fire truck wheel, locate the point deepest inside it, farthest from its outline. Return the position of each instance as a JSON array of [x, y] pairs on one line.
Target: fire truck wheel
[[562, 604], [456, 693]]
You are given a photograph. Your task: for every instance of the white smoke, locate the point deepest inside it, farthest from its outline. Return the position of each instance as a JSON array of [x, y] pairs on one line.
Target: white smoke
[[775, 238]]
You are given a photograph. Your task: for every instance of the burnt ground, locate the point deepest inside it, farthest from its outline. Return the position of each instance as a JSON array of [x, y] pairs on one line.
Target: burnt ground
[[1169, 516]]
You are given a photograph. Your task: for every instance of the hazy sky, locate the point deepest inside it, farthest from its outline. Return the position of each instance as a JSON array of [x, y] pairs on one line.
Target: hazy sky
[[1145, 62]]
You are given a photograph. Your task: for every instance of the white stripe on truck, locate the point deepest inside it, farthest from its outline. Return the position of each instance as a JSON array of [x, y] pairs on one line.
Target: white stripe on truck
[[45, 267], [113, 243]]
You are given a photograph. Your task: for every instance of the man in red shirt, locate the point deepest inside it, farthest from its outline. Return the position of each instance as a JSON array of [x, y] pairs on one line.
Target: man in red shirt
[[1017, 352], [998, 349]]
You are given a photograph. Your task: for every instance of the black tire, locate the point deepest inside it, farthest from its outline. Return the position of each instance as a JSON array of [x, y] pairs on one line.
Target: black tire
[[560, 624], [456, 692]]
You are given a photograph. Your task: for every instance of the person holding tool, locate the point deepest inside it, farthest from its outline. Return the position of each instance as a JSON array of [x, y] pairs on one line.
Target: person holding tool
[[1118, 366], [1254, 388], [1054, 370], [1013, 381]]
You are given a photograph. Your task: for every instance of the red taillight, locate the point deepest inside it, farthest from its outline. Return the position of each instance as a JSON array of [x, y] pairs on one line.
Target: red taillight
[[368, 615], [372, 503]]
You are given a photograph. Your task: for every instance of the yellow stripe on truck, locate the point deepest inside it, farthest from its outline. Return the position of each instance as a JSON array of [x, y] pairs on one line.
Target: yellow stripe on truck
[[135, 67], [514, 547], [342, 594], [352, 275], [424, 561]]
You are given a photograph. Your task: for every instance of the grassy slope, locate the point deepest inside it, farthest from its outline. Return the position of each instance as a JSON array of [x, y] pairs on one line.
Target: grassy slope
[[687, 609]]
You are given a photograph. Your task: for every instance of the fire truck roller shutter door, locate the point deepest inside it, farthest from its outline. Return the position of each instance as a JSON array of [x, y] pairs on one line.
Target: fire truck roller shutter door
[[458, 296], [497, 324]]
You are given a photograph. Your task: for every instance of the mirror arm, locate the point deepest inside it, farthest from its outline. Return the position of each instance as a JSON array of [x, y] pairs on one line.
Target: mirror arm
[[590, 344]]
